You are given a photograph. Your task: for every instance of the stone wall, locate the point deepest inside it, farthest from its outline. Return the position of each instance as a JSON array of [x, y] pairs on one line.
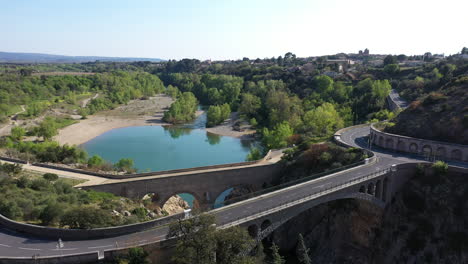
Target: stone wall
[[72, 259], [83, 234], [435, 150]]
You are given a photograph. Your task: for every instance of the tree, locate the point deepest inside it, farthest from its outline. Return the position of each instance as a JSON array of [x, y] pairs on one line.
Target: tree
[[196, 242], [278, 137], [255, 154], [200, 243], [323, 84], [51, 213], [392, 69], [47, 129], [50, 177], [302, 252], [464, 50], [390, 60], [17, 133], [216, 114], [182, 110], [125, 164], [324, 120], [95, 161], [12, 169], [137, 256], [86, 217], [250, 104], [276, 258]]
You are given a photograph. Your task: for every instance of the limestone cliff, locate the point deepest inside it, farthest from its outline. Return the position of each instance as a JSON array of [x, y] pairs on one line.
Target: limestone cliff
[[425, 223], [175, 205]]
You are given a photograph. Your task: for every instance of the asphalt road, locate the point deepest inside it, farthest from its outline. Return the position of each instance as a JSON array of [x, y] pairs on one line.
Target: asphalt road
[[19, 245]]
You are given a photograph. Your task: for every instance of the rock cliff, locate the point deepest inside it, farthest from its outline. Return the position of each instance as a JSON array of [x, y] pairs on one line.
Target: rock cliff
[[426, 222]]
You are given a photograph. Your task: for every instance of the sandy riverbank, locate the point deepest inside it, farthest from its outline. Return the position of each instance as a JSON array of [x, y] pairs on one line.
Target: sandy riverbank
[[136, 113]]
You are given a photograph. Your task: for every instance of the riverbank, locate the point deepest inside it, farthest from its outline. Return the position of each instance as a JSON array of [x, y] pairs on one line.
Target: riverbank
[[227, 128], [136, 113]]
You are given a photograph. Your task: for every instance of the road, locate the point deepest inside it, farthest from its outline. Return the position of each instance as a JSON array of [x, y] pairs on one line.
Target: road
[[18, 245], [395, 97]]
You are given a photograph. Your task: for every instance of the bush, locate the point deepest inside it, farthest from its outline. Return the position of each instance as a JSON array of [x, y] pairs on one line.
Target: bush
[[50, 177], [95, 161], [86, 217], [125, 164], [440, 167]]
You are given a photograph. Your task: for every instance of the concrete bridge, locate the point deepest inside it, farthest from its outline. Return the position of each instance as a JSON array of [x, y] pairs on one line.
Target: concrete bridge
[[204, 185], [375, 181]]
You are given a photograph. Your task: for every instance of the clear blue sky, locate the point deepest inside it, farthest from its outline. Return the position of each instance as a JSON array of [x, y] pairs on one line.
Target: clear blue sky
[[222, 29]]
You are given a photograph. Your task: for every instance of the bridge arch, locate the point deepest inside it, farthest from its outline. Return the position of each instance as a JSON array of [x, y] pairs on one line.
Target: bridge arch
[[362, 189], [441, 152], [371, 188], [456, 155], [236, 191], [401, 146], [381, 141], [194, 204], [378, 187], [253, 230], [265, 224], [413, 147], [426, 150], [389, 143]]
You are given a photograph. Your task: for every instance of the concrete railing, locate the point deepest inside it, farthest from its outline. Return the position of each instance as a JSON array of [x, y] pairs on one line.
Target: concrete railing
[[92, 257], [83, 234], [137, 175], [431, 149]]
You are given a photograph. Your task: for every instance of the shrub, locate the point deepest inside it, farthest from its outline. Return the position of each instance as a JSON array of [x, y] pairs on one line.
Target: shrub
[[50, 177], [440, 167]]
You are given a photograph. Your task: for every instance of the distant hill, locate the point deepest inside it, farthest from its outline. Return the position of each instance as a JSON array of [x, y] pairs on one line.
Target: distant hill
[[441, 115], [16, 57]]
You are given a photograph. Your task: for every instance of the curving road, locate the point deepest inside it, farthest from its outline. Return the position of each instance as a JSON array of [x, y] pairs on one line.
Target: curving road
[[18, 245]]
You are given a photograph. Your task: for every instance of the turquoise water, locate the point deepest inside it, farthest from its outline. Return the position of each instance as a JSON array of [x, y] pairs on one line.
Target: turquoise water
[[157, 148]]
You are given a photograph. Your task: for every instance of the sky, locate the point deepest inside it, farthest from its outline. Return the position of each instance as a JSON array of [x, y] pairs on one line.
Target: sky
[[232, 29]]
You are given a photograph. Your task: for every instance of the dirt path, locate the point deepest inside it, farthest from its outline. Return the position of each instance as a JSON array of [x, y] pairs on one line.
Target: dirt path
[[85, 102]]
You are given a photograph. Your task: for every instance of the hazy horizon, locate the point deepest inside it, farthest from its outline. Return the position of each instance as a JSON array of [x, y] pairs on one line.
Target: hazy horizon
[[232, 30]]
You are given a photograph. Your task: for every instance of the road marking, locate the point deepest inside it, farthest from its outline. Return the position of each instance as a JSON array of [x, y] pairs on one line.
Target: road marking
[[4, 245], [142, 241], [56, 249], [101, 246], [29, 248]]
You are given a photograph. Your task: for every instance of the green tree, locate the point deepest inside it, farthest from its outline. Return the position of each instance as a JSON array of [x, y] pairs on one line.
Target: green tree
[[390, 60], [302, 252], [51, 213], [47, 129], [254, 154], [230, 244], [86, 217], [217, 114], [250, 104], [324, 120], [125, 164], [182, 110], [137, 256], [95, 161], [440, 167], [276, 258], [392, 69], [17, 133], [196, 243], [278, 137]]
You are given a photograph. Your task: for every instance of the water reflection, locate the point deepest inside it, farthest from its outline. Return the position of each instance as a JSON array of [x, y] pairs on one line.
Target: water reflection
[[213, 139], [177, 131]]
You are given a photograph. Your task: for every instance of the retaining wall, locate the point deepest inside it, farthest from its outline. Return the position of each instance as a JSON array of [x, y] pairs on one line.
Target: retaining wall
[[72, 259], [428, 148], [83, 234]]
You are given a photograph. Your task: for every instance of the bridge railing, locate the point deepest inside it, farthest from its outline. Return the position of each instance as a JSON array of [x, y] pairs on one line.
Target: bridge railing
[[287, 184], [289, 203]]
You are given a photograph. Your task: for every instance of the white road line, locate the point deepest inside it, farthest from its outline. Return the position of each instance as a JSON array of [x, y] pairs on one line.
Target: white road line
[[29, 248], [142, 241], [102, 246], [4, 245], [57, 249]]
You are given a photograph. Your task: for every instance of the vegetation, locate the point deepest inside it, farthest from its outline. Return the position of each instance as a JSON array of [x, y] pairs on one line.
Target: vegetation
[[182, 110], [302, 252], [217, 114], [52, 201], [201, 243]]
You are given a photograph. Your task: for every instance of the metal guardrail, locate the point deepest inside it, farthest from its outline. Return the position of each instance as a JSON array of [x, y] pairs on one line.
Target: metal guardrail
[[308, 197]]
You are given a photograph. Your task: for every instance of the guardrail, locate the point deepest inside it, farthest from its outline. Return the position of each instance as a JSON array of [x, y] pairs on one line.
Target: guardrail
[[137, 175], [305, 198]]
